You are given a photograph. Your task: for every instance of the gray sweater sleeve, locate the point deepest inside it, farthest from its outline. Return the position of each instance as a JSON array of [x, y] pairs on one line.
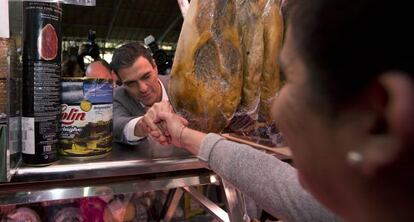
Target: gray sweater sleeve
[[272, 183]]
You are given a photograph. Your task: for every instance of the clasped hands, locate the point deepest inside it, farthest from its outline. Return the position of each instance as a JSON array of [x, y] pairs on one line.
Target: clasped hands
[[163, 125]]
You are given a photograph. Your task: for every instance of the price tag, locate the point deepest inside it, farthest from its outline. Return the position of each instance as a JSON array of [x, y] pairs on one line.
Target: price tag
[[4, 19]]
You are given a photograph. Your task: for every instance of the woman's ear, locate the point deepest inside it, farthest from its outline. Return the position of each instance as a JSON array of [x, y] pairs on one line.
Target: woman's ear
[[392, 134]]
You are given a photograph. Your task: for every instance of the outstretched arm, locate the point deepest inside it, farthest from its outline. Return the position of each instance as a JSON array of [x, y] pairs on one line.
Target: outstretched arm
[[272, 183]]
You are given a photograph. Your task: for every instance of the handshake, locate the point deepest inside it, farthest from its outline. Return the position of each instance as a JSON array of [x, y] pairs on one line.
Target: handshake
[[163, 125]]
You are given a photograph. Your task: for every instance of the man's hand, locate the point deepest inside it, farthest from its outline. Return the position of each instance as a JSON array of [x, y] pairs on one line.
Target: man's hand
[[174, 125], [147, 123]]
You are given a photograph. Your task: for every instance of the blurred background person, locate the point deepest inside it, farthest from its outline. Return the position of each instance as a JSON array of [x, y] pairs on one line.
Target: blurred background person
[[101, 69], [71, 68]]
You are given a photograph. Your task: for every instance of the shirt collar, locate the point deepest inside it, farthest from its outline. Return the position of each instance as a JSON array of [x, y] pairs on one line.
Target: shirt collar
[[164, 96]]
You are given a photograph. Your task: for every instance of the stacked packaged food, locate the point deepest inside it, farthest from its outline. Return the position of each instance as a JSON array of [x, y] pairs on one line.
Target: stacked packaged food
[[10, 107]]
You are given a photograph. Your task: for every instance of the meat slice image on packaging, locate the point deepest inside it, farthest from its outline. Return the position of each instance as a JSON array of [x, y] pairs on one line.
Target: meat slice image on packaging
[[48, 43]]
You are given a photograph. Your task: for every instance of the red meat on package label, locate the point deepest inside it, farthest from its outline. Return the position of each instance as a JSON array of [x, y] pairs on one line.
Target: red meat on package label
[[47, 43]]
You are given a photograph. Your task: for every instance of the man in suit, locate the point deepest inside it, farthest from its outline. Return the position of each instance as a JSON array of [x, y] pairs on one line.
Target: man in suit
[[140, 97]]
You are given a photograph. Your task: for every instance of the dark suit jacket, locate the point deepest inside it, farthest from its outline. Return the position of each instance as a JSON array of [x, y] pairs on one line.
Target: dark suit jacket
[[126, 109]]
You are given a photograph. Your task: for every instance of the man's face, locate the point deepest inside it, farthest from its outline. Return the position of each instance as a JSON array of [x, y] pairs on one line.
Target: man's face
[[141, 81]]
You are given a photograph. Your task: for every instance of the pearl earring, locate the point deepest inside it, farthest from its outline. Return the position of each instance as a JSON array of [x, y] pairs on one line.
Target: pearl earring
[[354, 158]]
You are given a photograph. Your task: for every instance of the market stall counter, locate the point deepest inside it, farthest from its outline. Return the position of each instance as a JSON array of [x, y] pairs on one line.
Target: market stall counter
[[147, 166]]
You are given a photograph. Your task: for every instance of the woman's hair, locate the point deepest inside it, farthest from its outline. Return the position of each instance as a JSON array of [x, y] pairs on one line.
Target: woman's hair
[[346, 44], [126, 55]]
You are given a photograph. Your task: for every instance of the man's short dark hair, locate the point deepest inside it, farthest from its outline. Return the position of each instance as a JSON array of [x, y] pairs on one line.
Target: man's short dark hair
[[126, 55], [347, 44]]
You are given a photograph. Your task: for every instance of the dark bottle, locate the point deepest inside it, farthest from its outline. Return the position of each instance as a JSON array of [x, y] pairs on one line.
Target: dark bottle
[[41, 81]]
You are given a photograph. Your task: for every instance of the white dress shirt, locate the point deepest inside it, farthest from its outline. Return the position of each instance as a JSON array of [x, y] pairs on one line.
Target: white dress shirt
[[129, 129]]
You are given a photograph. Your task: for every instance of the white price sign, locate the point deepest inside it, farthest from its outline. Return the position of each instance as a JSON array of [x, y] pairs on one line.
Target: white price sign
[[4, 19]]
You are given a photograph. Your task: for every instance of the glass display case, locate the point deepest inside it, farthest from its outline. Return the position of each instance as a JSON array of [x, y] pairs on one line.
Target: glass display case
[[117, 181], [122, 180], [10, 90]]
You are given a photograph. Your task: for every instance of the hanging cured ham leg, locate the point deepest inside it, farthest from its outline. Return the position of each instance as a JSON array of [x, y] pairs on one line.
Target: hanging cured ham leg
[[250, 27], [273, 37], [206, 80], [226, 69]]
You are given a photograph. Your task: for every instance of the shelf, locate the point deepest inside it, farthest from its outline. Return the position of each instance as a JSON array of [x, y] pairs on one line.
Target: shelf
[[147, 166]]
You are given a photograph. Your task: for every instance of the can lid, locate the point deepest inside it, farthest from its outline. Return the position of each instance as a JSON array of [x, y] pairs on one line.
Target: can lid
[[85, 78]]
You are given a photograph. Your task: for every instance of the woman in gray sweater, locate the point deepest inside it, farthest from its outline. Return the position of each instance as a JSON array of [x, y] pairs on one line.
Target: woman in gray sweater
[[346, 112]]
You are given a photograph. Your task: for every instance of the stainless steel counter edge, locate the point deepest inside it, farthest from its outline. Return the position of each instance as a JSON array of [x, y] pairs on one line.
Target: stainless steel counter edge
[[146, 166], [138, 185], [104, 169], [145, 158]]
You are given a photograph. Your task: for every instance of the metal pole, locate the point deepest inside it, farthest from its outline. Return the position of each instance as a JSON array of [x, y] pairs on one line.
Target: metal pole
[[111, 25], [173, 205], [211, 207]]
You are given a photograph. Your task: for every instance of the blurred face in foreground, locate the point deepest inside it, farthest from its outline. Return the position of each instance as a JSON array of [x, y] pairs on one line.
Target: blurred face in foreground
[[308, 133], [317, 142], [375, 122]]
